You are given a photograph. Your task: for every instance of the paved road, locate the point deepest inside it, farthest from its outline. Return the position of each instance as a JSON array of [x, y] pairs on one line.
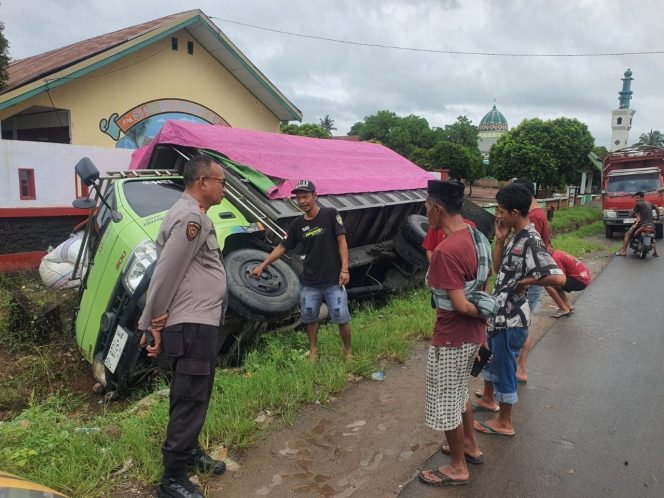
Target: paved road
[[591, 419]]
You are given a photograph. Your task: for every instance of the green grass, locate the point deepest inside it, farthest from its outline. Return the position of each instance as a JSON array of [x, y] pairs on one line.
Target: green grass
[[46, 444], [581, 241], [567, 219]]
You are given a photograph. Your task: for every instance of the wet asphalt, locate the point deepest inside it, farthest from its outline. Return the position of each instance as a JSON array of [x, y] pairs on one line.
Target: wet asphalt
[[590, 421]]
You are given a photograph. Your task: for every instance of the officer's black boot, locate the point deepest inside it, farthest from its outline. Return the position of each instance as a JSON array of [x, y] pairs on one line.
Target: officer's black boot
[[205, 463], [177, 485]]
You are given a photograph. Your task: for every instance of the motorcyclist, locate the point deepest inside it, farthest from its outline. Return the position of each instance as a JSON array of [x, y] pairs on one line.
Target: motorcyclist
[[643, 212]]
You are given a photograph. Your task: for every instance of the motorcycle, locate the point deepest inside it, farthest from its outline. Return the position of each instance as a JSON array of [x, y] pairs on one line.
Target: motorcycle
[[643, 241]]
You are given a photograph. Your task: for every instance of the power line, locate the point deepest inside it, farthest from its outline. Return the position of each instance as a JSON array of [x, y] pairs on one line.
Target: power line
[[438, 51]]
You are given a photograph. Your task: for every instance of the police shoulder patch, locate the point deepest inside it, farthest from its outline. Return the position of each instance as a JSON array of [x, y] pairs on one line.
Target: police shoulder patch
[[193, 229]]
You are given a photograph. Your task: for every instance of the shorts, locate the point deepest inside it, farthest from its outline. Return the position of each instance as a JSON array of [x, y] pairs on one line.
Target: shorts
[[334, 296], [448, 370], [573, 285], [533, 297], [505, 346]]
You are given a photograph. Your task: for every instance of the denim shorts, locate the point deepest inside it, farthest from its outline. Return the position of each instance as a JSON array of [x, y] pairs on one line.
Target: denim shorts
[[505, 346], [334, 296], [533, 297]]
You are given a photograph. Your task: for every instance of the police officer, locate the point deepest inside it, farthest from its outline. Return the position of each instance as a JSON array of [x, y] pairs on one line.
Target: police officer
[[185, 306]]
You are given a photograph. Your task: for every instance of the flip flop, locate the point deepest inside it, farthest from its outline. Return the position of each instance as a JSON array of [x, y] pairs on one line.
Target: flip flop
[[623, 255], [480, 408], [445, 480], [558, 314], [484, 428], [478, 460]]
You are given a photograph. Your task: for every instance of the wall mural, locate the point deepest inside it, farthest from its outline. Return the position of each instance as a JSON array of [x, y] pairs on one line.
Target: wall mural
[[140, 124]]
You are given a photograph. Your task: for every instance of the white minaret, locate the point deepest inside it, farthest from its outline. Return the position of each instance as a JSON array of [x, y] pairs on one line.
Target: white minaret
[[621, 118]]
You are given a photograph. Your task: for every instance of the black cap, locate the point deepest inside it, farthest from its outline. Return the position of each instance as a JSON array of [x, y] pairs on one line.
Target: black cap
[[450, 190], [639, 194], [304, 186]]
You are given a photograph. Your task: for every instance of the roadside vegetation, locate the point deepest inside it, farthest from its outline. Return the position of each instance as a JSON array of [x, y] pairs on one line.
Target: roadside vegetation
[[55, 436]]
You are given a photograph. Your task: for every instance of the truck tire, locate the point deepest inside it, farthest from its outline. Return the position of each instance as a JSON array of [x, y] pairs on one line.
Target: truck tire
[[415, 228], [415, 255], [272, 297], [608, 233]]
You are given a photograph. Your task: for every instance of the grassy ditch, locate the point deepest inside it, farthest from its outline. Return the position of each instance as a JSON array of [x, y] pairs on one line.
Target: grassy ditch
[[568, 219], [57, 440]]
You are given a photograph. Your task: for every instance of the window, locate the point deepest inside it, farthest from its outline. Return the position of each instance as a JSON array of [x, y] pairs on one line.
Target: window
[[149, 197], [174, 43], [26, 184], [619, 121], [190, 47]]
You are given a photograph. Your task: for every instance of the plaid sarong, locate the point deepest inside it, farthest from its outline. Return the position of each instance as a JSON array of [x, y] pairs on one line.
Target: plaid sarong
[[486, 304]]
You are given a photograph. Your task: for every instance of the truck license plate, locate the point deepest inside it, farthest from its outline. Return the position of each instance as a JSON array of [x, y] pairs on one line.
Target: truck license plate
[[629, 220], [116, 349]]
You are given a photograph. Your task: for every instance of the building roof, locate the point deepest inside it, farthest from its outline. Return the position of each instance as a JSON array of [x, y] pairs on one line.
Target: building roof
[[33, 75], [493, 121]]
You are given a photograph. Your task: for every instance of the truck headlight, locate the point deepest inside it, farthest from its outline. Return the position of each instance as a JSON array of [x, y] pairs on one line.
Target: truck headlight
[[609, 213], [143, 256]]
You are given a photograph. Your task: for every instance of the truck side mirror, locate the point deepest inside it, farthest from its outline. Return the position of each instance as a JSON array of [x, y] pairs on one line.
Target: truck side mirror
[[87, 171]]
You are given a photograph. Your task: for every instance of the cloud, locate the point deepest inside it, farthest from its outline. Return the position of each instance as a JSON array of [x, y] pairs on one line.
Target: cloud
[[349, 82]]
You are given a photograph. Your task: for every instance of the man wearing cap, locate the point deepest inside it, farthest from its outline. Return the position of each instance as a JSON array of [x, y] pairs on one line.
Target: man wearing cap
[[457, 264], [322, 234], [643, 211]]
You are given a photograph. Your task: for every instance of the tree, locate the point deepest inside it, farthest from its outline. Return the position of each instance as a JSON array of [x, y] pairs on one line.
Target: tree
[[463, 162], [327, 123], [548, 152], [601, 151], [305, 130], [461, 132], [4, 58], [653, 137]]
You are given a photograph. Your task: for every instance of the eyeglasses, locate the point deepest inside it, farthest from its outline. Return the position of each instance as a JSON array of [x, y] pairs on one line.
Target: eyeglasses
[[222, 181]]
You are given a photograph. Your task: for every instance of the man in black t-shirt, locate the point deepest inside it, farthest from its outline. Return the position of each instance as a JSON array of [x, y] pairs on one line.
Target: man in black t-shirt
[[643, 211], [323, 236]]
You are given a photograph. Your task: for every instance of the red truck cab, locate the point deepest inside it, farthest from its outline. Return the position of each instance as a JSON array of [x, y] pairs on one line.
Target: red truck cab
[[625, 172]]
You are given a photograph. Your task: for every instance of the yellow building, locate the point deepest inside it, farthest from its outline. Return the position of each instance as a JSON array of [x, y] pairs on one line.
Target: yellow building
[[117, 89]]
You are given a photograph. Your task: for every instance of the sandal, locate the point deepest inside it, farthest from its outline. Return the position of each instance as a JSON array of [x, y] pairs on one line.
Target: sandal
[[444, 479], [559, 313]]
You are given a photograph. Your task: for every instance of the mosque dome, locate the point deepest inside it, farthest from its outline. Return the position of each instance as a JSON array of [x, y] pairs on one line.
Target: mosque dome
[[493, 121], [628, 73]]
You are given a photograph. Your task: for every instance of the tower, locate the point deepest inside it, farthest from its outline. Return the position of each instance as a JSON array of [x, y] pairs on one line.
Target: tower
[[621, 118]]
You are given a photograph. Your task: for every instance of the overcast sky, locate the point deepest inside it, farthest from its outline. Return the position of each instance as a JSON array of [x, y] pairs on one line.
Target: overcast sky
[[349, 82]]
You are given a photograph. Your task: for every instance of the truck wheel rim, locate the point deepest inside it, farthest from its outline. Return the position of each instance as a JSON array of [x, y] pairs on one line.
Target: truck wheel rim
[[271, 283]]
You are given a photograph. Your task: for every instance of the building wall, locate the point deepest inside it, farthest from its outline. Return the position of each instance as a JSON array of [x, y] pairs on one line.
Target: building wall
[[154, 72]]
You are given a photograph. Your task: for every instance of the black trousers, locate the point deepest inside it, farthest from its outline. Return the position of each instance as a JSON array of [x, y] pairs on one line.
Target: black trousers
[[192, 350]]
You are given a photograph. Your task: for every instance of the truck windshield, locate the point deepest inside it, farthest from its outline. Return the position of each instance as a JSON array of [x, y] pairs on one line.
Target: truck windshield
[[146, 197], [633, 183]]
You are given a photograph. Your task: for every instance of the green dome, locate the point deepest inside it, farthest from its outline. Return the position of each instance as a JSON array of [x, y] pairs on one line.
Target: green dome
[[628, 73], [493, 121]]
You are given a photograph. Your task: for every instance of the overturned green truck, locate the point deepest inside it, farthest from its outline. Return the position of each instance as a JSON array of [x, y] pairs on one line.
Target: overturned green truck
[[379, 194]]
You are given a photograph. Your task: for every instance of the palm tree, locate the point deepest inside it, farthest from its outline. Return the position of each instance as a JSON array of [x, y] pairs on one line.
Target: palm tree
[[653, 137], [327, 123]]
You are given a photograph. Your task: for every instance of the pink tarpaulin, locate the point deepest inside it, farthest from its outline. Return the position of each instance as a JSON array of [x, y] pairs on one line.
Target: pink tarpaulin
[[335, 166]]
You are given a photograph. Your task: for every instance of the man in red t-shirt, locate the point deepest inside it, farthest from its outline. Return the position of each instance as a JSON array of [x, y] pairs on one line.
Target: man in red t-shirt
[[435, 237], [578, 278], [457, 336]]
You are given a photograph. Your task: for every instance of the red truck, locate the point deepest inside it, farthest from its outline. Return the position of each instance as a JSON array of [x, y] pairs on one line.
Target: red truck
[[639, 168]]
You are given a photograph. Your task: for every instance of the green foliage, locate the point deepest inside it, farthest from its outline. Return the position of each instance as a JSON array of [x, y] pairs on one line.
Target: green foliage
[[461, 132], [601, 151], [305, 130], [4, 57], [548, 152], [463, 162], [567, 219], [327, 123], [653, 137], [582, 241]]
